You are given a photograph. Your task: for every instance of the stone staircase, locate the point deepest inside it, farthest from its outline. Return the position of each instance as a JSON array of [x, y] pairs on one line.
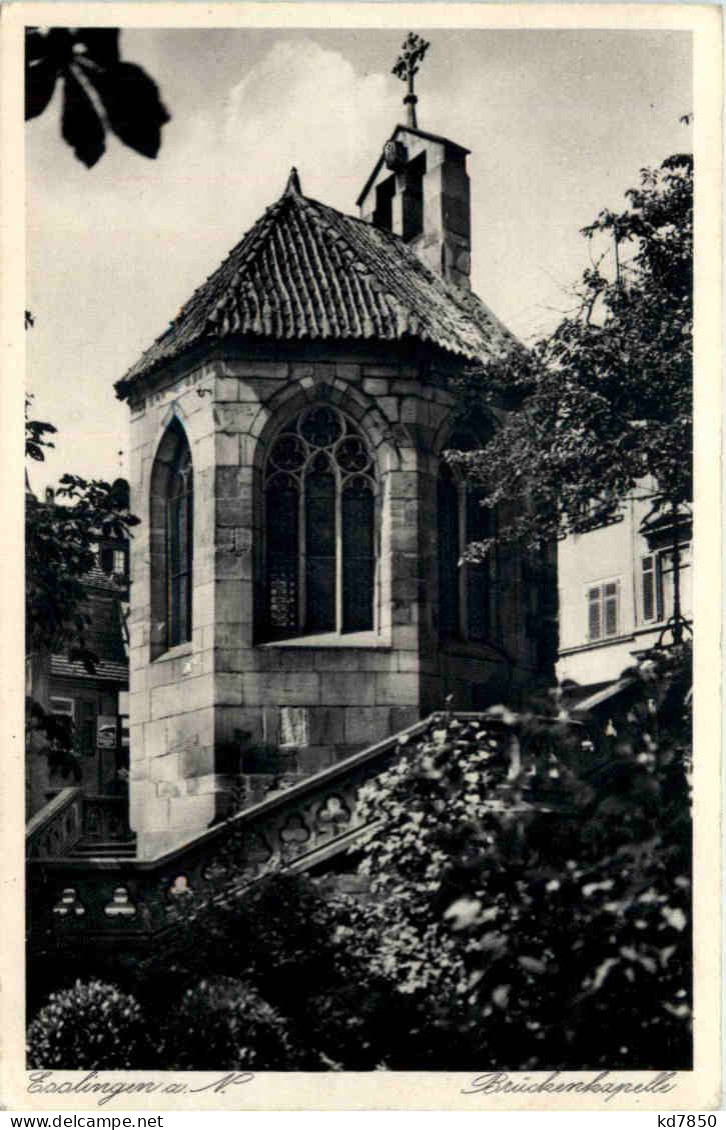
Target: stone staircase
[[110, 849], [83, 883]]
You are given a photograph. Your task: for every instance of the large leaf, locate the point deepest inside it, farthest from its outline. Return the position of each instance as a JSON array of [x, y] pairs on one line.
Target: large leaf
[[81, 126], [101, 44], [134, 109], [40, 76]]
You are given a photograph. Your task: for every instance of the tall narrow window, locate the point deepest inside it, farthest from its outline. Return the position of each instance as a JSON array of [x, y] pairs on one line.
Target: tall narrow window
[[171, 541], [603, 611], [658, 582], [449, 553], [466, 589], [320, 520], [179, 549]]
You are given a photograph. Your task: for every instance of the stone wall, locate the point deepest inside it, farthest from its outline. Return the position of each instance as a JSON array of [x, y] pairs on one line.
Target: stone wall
[[197, 709]]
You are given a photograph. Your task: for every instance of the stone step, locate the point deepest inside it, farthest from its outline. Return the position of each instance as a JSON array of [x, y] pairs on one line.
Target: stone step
[[110, 849]]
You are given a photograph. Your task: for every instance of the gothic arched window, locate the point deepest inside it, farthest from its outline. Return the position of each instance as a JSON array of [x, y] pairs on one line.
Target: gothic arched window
[[466, 589], [320, 504], [180, 548], [172, 542]]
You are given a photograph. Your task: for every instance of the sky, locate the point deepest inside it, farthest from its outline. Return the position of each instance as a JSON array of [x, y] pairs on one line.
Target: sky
[[559, 124]]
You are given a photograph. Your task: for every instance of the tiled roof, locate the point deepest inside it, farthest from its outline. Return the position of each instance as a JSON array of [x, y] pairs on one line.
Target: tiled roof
[[306, 272], [105, 669], [98, 578]]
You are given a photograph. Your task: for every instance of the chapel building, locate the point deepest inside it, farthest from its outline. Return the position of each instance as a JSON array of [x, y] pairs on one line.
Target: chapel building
[[297, 583]]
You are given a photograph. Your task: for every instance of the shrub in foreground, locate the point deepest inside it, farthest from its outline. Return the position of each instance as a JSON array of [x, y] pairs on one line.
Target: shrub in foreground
[[91, 1025], [224, 1024]]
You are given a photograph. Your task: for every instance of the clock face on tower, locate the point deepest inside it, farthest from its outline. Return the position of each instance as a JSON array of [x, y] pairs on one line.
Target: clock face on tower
[[394, 155]]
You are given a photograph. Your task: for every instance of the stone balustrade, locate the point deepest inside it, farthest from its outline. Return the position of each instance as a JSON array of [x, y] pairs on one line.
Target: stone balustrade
[[301, 828], [56, 829]]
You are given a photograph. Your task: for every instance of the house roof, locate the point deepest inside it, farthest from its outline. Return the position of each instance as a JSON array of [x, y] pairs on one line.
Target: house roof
[[106, 669], [306, 272]]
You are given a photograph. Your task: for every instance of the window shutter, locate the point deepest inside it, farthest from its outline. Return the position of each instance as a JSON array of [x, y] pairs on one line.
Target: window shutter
[[610, 603], [357, 513], [594, 625], [648, 588]]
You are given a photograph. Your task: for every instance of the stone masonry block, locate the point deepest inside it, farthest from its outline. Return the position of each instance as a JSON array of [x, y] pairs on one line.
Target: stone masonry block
[[228, 689], [375, 386], [390, 407], [233, 602], [366, 725], [236, 417], [396, 689], [403, 716], [196, 761], [347, 372], [226, 388], [226, 449], [232, 482], [155, 738], [334, 660], [235, 511], [192, 812], [351, 689], [288, 688], [327, 725], [167, 789]]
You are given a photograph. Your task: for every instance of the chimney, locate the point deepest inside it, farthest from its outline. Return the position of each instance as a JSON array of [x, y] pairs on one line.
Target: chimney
[[419, 189]]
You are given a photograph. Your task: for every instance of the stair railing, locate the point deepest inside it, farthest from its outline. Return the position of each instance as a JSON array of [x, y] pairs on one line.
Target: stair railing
[[55, 830]]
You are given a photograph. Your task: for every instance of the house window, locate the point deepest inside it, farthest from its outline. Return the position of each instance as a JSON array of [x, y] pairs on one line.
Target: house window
[[62, 707], [603, 610], [466, 590], [320, 520], [657, 584], [171, 542]]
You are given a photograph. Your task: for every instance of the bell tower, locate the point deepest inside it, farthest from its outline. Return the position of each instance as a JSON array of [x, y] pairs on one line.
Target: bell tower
[[419, 187]]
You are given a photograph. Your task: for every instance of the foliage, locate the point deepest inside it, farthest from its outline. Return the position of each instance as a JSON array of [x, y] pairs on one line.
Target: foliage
[[89, 1026], [223, 1023], [305, 951], [605, 402], [60, 541], [101, 92], [536, 895], [60, 550]]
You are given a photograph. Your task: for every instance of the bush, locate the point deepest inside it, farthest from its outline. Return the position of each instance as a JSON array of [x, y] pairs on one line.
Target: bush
[[537, 901], [224, 1024], [91, 1025]]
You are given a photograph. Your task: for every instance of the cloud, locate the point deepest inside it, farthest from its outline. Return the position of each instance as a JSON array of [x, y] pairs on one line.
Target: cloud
[[304, 105]]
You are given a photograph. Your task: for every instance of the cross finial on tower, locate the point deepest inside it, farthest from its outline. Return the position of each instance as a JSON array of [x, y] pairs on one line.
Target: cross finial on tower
[[406, 66]]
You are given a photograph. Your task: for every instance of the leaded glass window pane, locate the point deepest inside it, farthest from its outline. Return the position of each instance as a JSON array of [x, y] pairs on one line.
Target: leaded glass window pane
[[179, 549], [320, 527], [449, 553], [320, 548], [282, 520], [358, 554]]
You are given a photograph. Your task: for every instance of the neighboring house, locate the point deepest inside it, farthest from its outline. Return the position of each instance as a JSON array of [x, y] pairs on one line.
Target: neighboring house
[[96, 703], [296, 577], [616, 592]]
